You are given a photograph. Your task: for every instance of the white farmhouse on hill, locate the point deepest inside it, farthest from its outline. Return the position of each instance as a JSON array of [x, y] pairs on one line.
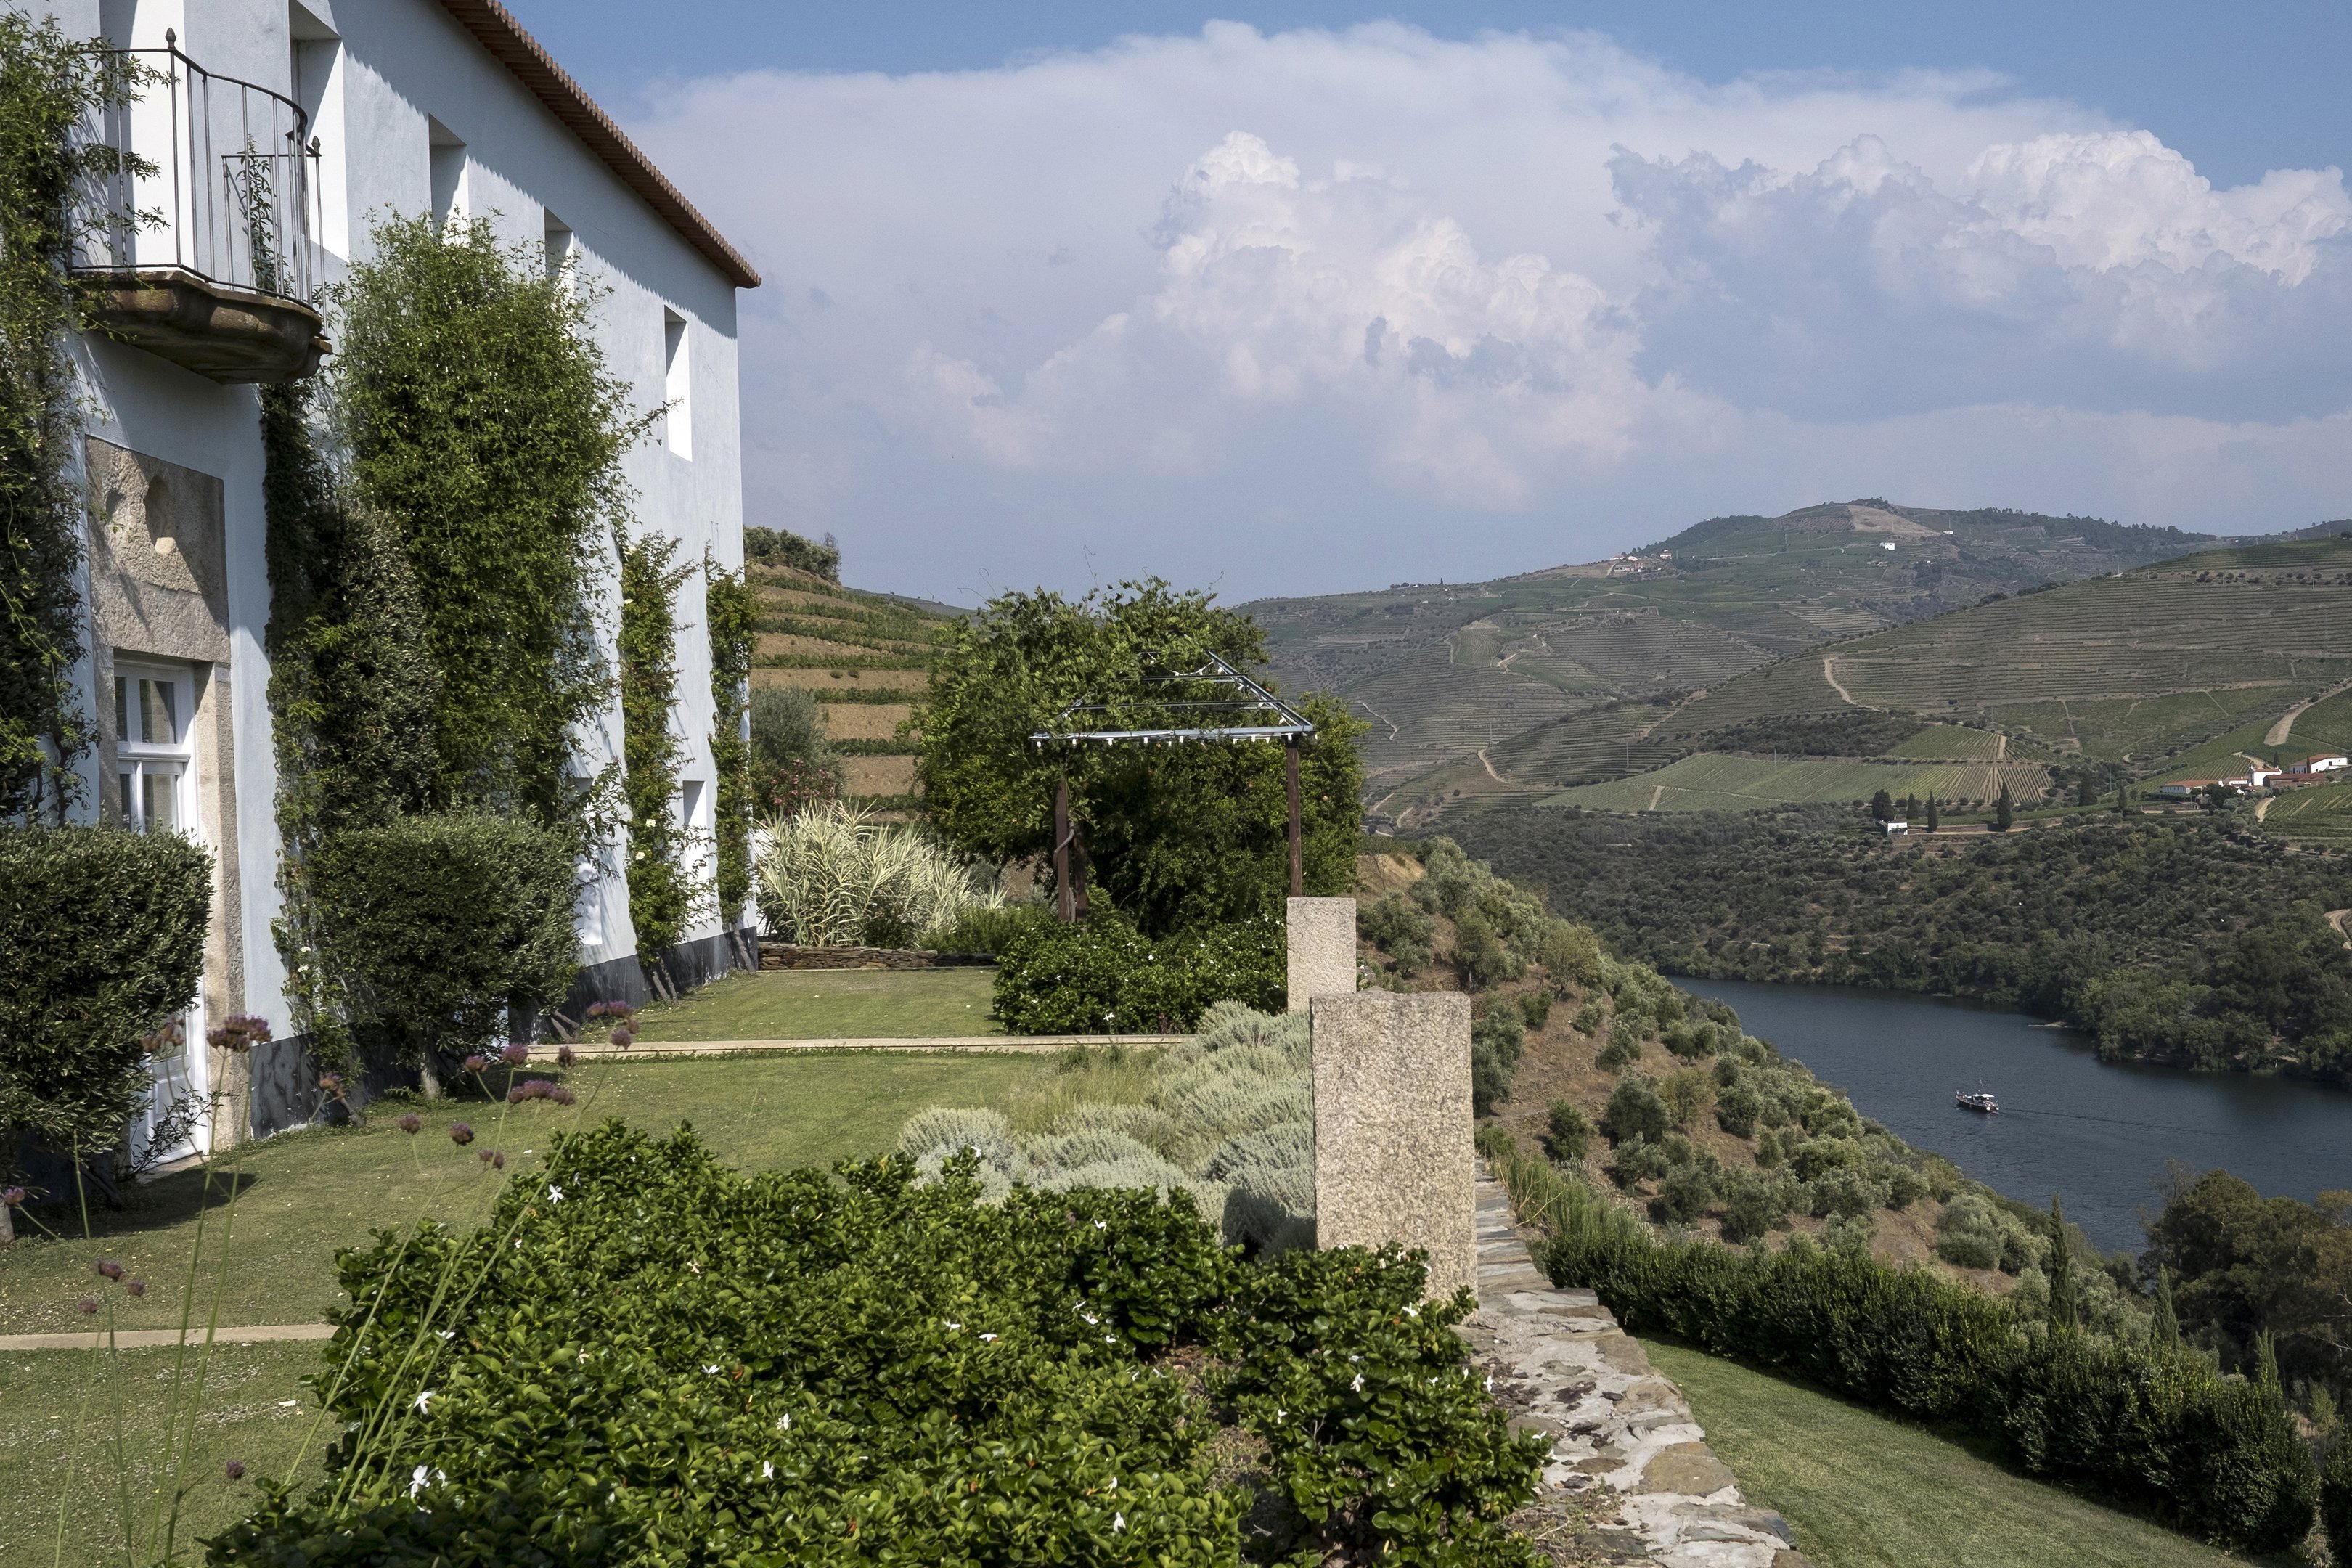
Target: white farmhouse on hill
[[359, 108]]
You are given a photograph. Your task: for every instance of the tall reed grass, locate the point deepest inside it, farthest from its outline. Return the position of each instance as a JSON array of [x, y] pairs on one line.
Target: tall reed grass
[[834, 876]]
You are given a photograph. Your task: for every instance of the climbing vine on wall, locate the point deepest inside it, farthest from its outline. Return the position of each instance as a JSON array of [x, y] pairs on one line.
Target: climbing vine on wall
[[351, 693], [731, 612], [661, 891], [477, 409], [49, 84]]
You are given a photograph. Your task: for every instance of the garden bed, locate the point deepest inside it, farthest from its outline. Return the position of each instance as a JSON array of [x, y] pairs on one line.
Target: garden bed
[[793, 955]]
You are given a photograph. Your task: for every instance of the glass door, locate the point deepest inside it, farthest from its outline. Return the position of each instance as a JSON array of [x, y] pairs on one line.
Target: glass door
[[152, 755]]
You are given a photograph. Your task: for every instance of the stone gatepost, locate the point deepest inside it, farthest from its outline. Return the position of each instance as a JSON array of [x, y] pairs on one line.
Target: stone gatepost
[[1394, 1159], [1322, 936]]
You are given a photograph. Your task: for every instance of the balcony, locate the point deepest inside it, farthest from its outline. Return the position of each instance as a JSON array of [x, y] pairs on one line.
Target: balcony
[[201, 250]]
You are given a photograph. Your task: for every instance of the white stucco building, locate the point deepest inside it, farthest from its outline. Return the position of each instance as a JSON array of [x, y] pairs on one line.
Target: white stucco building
[[343, 109]]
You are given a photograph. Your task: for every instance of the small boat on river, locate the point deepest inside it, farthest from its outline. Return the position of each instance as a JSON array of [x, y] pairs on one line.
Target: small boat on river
[[1978, 1102]]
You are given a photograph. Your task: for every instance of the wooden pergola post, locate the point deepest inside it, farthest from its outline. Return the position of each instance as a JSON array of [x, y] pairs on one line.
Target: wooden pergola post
[[1066, 903], [1290, 780]]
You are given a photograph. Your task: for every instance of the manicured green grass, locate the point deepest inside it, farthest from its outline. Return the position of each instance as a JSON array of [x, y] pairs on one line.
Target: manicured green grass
[[830, 1003], [1863, 1491], [305, 1194], [57, 1443]]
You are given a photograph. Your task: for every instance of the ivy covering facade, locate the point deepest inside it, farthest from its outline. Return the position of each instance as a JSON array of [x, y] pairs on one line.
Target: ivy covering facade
[[731, 613], [661, 890], [49, 85]]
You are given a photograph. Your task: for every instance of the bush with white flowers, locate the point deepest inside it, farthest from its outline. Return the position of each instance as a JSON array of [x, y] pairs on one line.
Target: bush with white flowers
[[674, 1363]]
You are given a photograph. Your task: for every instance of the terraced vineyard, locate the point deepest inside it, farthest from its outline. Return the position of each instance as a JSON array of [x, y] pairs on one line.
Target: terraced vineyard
[[2321, 814], [863, 656], [1445, 670], [1714, 782]]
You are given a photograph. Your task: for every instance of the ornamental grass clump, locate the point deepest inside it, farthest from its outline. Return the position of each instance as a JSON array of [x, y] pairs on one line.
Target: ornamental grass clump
[[1228, 1117], [834, 876], [645, 1357]]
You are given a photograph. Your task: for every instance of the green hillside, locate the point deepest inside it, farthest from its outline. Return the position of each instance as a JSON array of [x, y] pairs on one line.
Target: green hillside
[[1442, 670], [2193, 667]]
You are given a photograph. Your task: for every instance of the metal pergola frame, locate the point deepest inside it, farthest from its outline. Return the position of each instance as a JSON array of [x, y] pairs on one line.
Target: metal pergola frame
[[1292, 728]]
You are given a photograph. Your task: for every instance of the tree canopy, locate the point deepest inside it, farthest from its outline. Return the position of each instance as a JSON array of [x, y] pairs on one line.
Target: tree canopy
[[1174, 835]]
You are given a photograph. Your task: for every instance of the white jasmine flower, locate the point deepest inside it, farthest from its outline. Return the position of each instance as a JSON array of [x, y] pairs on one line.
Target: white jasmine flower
[[423, 1400], [555, 1194], [1490, 1382], [951, 1327], [416, 1480], [1358, 1385], [713, 1370], [1118, 1522], [986, 1337], [766, 1471], [1099, 1226]]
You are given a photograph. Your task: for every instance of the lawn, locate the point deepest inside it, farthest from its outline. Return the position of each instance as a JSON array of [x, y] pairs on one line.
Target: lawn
[[830, 1003], [1863, 1491], [304, 1195], [57, 1441]]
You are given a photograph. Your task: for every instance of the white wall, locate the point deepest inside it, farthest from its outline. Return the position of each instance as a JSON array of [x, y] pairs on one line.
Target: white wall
[[379, 72]]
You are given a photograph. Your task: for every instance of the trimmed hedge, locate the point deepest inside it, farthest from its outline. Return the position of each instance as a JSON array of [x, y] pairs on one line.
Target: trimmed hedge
[[437, 924], [2155, 1426], [1102, 975], [642, 1357], [101, 939]]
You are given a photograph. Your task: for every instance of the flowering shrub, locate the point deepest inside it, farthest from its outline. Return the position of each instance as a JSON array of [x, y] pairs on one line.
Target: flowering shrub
[[1102, 975], [642, 1357]]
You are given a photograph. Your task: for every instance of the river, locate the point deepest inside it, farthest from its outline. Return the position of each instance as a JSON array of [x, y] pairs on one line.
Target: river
[[2096, 1134]]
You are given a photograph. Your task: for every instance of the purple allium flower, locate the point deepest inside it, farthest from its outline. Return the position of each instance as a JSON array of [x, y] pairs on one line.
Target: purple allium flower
[[136, 1287], [460, 1133], [565, 1055], [89, 1305], [515, 1094], [621, 1037], [235, 1469], [561, 1095], [515, 1054], [111, 1268], [477, 1062], [498, 1162], [595, 1009], [14, 1197], [485, 1156], [412, 1124]]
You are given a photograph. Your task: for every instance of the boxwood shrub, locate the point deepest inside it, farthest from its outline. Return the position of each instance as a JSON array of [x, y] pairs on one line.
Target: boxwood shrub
[[101, 937], [436, 925], [642, 1357], [2155, 1426], [1102, 975]]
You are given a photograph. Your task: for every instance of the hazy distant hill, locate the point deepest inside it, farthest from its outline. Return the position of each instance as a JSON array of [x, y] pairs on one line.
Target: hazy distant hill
[[2192, 666], [1442, 670]]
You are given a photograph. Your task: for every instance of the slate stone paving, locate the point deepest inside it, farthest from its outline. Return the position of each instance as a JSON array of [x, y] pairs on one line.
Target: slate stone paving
[[1631, 1478]]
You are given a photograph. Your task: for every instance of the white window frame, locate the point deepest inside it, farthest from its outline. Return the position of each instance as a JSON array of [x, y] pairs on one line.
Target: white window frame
[[140, 760]]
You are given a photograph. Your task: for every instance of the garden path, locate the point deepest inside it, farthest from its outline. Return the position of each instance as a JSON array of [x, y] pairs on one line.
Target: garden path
[[1562, 1365]]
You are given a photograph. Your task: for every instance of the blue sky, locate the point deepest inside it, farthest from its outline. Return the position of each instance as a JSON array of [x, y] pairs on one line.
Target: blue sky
[[1313, 297]]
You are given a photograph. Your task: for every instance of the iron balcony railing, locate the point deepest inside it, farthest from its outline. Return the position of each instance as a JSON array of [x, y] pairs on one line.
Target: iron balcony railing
[[215, 180]]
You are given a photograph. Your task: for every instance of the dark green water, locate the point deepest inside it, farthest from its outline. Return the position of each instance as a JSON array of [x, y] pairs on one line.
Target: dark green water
[[2069, 1123]]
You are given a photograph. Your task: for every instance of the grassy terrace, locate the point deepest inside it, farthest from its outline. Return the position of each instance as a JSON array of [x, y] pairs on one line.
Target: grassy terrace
[[830, 1003], [1863, 1491], [304, 1195]]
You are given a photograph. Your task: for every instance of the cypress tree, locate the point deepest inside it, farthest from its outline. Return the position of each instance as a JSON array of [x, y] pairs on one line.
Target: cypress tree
[[1881, 807], [2335, 1500], [2165, 1327], [2004, 813], [2062, 1315], [1935, 817], [2266, 1372]]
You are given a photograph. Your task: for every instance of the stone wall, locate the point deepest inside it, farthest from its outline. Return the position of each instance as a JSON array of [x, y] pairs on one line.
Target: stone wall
[[1631, 1478]]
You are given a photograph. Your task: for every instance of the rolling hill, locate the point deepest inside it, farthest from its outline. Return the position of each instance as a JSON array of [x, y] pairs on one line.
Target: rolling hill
[[2191, 667], [1445, 670]]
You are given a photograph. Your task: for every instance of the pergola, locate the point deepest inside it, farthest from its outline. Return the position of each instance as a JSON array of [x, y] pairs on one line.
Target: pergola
[[1287, 726]]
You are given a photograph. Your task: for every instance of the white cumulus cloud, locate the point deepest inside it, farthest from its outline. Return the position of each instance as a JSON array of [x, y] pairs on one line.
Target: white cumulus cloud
[[1312, 310]]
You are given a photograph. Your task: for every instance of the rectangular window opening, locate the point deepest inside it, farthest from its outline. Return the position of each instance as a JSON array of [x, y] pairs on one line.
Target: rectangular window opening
[[561, 243], [448, 156], [677, 432]]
